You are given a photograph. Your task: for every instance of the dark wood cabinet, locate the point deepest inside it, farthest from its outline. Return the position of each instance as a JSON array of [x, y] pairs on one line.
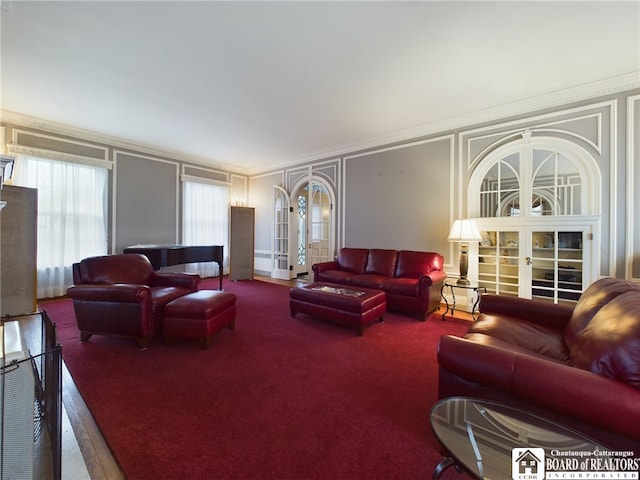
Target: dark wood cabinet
[[241, 243]]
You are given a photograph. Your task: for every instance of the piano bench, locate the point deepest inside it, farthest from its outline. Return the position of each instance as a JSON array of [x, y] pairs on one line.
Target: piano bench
[[199, 315]]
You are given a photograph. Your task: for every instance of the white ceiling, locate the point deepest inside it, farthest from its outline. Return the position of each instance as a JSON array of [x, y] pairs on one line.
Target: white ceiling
[[248, 85]]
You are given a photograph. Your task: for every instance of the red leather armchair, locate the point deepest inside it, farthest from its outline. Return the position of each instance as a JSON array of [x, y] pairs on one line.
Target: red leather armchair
[[121, 295]]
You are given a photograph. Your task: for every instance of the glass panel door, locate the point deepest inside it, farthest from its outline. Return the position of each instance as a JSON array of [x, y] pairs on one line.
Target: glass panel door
[[280, 254], [557, 265], [319, 212], [499, 259]]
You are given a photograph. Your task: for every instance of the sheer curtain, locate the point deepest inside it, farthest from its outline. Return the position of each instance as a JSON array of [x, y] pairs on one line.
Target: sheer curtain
[[72, 216], [205, 221]]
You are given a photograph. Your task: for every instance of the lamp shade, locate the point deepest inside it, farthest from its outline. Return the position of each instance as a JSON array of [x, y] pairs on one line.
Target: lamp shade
[[464, 231]]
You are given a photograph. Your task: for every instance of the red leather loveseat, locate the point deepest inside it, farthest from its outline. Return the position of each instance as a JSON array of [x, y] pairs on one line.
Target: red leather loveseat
[[122, 295], [412, 280], [579, 366]]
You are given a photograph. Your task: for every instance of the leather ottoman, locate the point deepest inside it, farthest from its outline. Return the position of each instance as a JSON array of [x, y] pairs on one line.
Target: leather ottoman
[[199, 315], [353, 306]]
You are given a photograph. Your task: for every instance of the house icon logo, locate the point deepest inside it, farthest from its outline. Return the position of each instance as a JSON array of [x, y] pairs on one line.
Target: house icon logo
[[527, 464]]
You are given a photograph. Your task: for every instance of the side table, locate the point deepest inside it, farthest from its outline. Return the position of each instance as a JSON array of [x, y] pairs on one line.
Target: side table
[[477, 289]]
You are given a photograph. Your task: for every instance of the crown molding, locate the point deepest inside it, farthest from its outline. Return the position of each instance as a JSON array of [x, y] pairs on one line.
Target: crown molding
[[26, 121], [563, 97]]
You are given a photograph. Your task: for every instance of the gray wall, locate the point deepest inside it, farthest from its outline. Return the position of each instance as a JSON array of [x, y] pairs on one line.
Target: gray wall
[[403, 195], [146, 201], [399, 198], [407, 195]]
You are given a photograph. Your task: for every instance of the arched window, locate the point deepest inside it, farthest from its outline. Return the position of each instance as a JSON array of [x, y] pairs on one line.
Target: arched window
[[555, 176]]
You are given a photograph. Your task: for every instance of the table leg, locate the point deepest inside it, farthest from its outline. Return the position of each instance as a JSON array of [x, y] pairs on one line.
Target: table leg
[[220, 274], [442, 466], [445, 302], [475, 303]]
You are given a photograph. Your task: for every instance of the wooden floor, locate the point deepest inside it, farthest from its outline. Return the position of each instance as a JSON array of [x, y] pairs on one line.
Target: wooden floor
[[98, 458]]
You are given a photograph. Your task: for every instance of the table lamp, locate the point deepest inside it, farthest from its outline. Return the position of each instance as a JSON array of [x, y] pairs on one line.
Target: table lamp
[[463, 232]]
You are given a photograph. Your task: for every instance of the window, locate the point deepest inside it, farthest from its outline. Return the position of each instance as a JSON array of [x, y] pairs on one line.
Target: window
[[72, 216], [206, 221], [551, 180]]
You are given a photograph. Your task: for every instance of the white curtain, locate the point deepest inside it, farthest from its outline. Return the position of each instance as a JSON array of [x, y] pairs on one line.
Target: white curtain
[[205, 221], [72, 216]]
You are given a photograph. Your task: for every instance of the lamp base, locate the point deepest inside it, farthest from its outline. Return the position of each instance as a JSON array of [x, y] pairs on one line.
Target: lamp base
[[464, 266]]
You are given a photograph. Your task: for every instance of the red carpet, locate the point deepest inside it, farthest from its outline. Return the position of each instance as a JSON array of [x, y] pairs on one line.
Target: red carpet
[[277, 398]]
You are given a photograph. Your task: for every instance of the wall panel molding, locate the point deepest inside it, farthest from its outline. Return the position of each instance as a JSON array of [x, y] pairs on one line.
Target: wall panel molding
[[147, 207], [632, 250], [544, 124]]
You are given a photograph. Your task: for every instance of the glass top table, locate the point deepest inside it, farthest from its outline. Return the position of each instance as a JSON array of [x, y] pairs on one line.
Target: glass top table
[[493, 441]]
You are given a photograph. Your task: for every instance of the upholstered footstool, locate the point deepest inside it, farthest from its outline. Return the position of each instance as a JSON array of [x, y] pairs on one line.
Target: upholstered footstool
[[199, 315], [354, 306]]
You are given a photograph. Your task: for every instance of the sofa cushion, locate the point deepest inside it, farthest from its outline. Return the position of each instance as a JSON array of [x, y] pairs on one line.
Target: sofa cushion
[[599, 293], [415, 264], [353, 259], [382, 262], [523, 335], [334, 276], [610, 343], [409, 287], [366, 280]]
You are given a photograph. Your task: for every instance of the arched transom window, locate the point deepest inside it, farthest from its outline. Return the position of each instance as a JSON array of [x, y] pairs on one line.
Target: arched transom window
[[532, 178]]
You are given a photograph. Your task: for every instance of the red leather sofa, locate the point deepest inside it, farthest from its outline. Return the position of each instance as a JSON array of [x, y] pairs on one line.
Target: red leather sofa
[[122, 295], [579, 366], [412, 280]]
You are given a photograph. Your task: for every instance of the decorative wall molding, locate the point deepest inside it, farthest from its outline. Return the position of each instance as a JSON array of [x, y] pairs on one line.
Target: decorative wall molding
[[25, 121], [239, 190], [632, 197], [508, 131], [208, 181], [60, 156], [505, 132], [563, 97], [205, 173], [117, 154]]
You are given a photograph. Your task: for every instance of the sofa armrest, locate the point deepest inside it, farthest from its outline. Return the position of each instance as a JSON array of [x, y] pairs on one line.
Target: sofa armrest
[[576, 393], [323, 266], [535, 311], [436, 277], [169, 279], [116, 292]]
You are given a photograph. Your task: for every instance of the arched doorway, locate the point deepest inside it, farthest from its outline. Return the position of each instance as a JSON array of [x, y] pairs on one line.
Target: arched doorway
[[307, 235]]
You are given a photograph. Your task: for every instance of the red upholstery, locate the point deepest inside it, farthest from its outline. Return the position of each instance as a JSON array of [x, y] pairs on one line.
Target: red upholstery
[[199, 315], [412, 280], [382, 262], [353, 259], [517, 353], [121, 295], [358, 311]]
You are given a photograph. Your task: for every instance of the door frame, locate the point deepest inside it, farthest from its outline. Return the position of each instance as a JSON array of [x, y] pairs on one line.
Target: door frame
[[293, 235]]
